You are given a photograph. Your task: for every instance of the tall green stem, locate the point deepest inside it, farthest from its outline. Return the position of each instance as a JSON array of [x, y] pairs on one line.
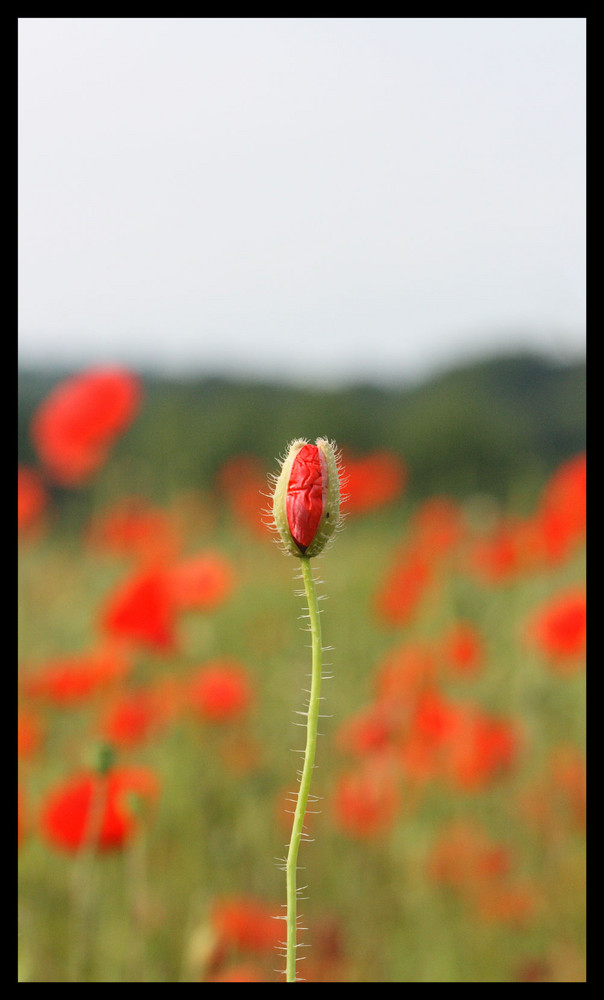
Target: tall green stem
[[309, 759]]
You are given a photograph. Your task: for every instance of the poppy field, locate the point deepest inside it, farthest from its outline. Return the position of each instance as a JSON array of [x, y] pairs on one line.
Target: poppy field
[[163, 677]]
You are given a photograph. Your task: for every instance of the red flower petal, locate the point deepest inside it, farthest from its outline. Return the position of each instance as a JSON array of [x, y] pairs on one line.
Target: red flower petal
[[306, 495], [76, 424]]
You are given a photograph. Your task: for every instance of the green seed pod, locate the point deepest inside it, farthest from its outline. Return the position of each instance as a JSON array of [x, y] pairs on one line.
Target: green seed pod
[[306, 498]]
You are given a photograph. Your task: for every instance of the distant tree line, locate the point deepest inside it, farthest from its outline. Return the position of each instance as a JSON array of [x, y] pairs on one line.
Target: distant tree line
[[481, 427]]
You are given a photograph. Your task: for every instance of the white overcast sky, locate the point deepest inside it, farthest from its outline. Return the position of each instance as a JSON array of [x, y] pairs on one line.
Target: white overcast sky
[[319, 199]]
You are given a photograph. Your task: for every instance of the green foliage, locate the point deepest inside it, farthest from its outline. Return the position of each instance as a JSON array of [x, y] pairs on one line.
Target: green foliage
[[484, 427]]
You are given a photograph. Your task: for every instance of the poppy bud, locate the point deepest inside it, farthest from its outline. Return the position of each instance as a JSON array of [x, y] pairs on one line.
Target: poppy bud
[[306, 498]]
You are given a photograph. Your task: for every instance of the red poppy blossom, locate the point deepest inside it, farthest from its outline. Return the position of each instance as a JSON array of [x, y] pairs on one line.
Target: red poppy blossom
[[239, 752], [246, 924], [462, 649], [559, 628], [29, 734], [220, 691], [479, 869], [405, 672], [78, 422], [305, 497], [569, 776], [457, 743], [501, 554], [372, 481], [368, 731], [399, 598], [562, 508], [536, 970], [434, 724], [242, 972], [237, 470], [437, 527], [200, 582], [132, 527], [437, 720], [141, 610], [514, 904], [242, 480], [31, 499], [137, 715], [72, 679], [464, 858], [22, 816], [327, 961], [366, 801], [69, 810], [558, 796], [483, 748]]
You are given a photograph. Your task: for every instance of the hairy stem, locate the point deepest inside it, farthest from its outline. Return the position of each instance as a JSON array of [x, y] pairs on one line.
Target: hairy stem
[[309, 759]]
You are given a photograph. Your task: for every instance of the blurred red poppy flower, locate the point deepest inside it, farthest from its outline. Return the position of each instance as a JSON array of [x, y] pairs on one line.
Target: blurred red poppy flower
[[22, 817], [243, 482], [399, 597], [136, 716], [31, 499], [72, 679], [95, 810], [239, 751], [327, 962], [238, 470], [461, 649], [405, 672], [29, 734], [464, 857], [437, 527], [569, 775], [78, 422], [559, 627], [141, 610], [200, 582], [366, 801], [457, 743], [545, 538], [369, 730], [557, 797], [246, 924], [536, 970], [498, 556], [514, 904], [220, 691], [434, 724], [562, 508], [371, 481], [241, 972], [132, 527], [436, 718], [483, 748]]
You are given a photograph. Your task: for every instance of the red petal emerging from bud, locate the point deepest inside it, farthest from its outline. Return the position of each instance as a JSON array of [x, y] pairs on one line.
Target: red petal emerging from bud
[[306, 497], [306, 493]]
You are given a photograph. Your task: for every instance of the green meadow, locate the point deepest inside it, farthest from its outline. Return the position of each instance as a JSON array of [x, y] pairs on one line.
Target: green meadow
[[447, 839]]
